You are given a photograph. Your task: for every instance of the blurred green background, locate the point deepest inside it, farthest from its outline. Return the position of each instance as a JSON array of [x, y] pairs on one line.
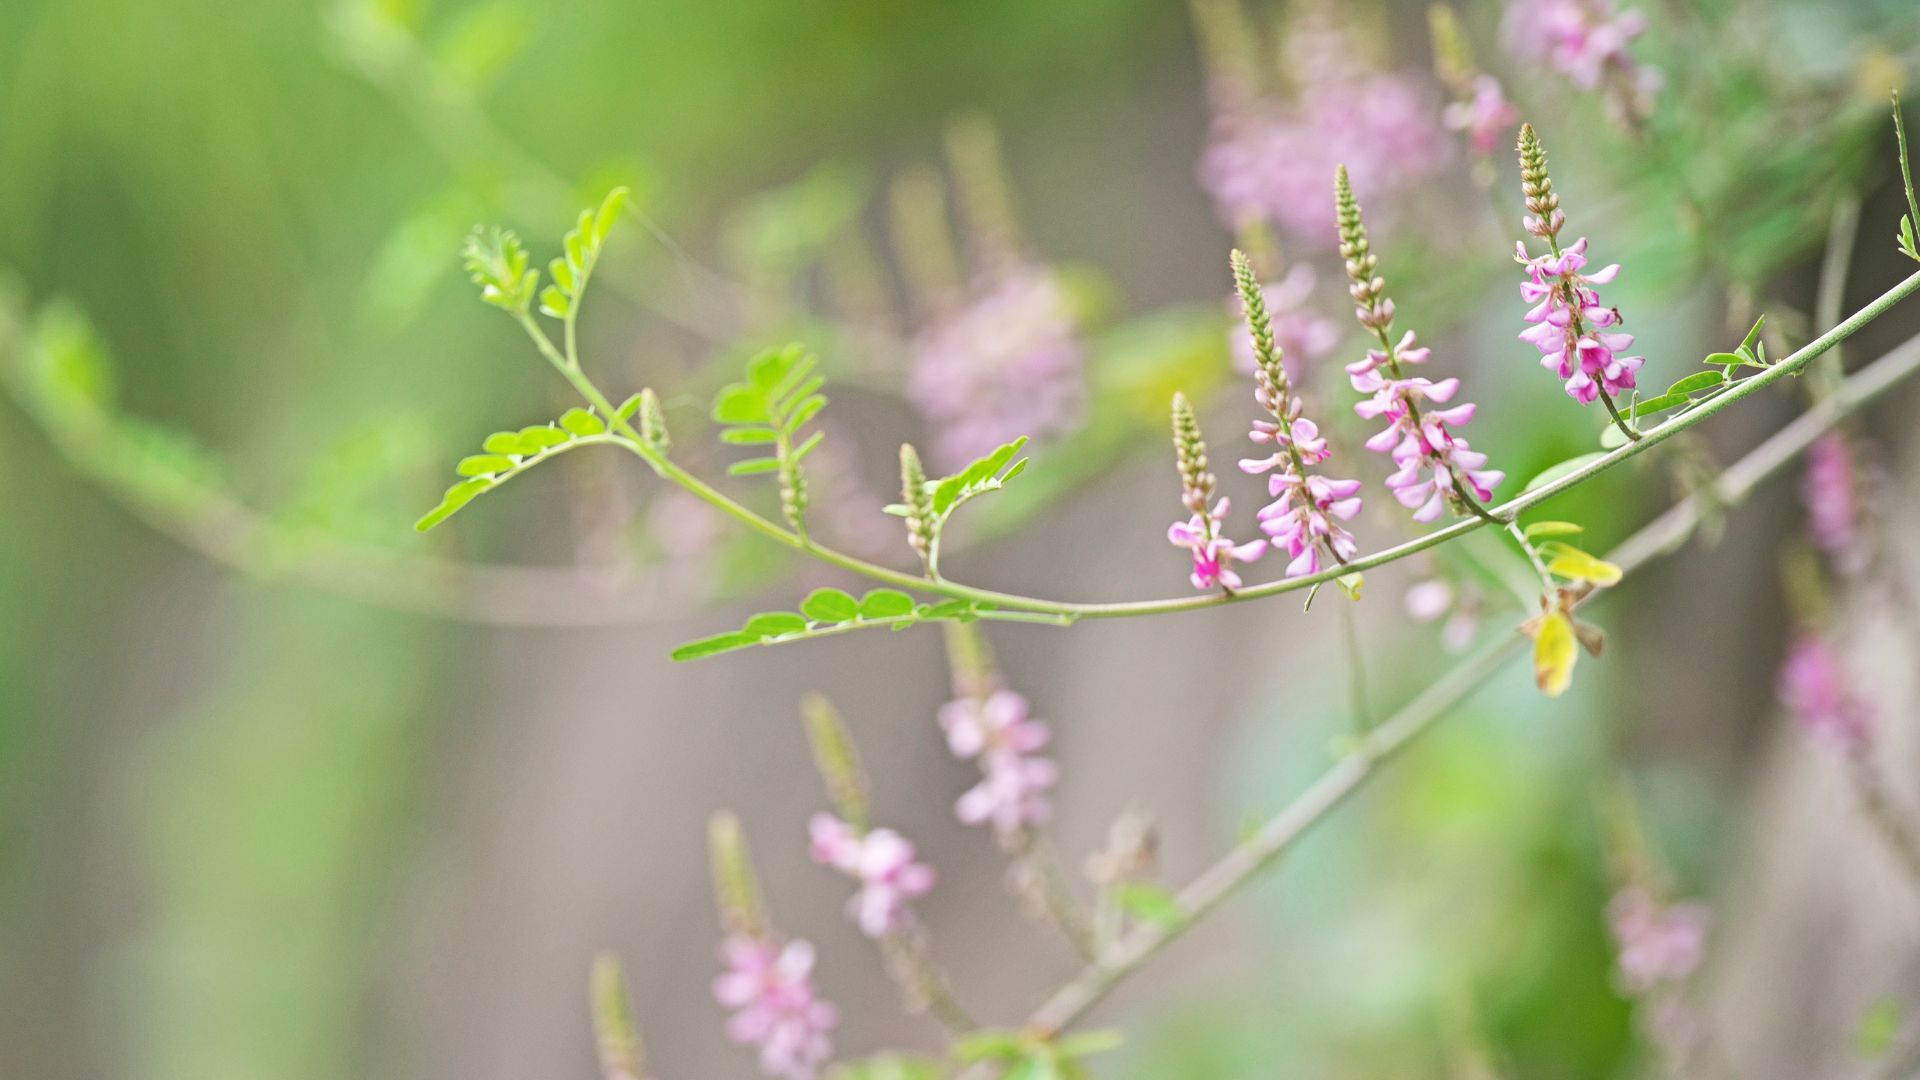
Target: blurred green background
[[252, 828]]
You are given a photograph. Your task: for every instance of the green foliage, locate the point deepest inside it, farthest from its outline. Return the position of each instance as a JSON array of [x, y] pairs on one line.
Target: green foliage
[[890, 1067], [507, 454], [833, 611], [582, 246], [938, 499], [497, 261], [1544, 530], [1023, 1055], [1148, 902], [777, 397]]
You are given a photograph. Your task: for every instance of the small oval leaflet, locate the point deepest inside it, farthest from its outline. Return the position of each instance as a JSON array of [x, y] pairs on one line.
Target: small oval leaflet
[[829, 605]]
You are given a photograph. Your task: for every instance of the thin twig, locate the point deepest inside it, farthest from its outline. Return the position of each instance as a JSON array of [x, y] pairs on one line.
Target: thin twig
[[1275, 838]]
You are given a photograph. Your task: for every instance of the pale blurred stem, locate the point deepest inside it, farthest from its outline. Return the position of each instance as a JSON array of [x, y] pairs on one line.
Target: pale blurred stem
[[1843, 229], [1889, 821], [1278, 835], [1028, 608], [1356, 670], [1038, 860], [911, 966]]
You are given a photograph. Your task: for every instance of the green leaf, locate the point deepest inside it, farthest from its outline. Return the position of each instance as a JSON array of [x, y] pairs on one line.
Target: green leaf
[[804, 412], [582, 422], [748, 436], [1727, 359], [498, 263], [829, 606], [540, 437], [1612, 438], [1576, 565], [800, 452], [482, 464], [754, 466], [1878, 1028], [1148, 903], [989, 1045], [1089, 1043], [456, 497], [1751, 343], [713, 646], [554, 302], [947, 609], [1565, 468], [1699, 380], [1659, 404], [741, 403], [629, 408], [885, 604], [504, 442], [774, 623], [1541, 530]]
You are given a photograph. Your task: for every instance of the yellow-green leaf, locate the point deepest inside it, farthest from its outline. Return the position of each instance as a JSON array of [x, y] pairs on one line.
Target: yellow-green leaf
[[1576, 565], [1554, 651]]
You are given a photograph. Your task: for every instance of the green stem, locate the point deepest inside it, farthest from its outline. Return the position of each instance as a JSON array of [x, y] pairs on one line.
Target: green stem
[[1505, 512], [1632, 433]]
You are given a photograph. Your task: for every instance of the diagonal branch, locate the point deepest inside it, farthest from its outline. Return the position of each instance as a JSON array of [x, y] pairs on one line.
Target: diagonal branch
[[1277, 836]]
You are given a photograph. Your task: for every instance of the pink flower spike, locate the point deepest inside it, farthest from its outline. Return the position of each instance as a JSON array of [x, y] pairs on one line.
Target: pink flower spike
[[998, 733], [769, 985], [1659, 944], [1815, 687]]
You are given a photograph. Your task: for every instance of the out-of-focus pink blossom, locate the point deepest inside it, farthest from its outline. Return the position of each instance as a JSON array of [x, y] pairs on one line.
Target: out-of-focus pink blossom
[[1814, 685], [1437, 598], [1570, 324], [1303, 334], [769, 987], [1830, 491], [1485, 118], [1587, 41], [1659, 944], [1007, 364], [1213, 554], [882, 861], [997, 732], [1268, 161]]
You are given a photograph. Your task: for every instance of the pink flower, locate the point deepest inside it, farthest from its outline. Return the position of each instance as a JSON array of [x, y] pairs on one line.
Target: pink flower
[[1587, 41], [1814, 685], [1434, 462], [882, 861], [1301, 333], [998, 733], [1435, 598], [1008, 364], [1302, 516], [1830, 491], [770, 988], [1570, 323], [1213, 554], [1484, 118], [1658, 943]]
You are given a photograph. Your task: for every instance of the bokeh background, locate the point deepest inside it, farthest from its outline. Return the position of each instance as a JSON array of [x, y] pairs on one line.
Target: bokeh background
[[285, 791]]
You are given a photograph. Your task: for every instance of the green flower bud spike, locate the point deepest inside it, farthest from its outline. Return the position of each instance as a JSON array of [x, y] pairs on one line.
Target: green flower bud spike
[[839, 765]]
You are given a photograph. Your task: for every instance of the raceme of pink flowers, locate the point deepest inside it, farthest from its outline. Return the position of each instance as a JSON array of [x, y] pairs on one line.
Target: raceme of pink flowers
[[1830, 491], [1006, 365], [1213, 554], [998, 733], [1570, 323], [1269, 163], [1484, 118], [1658, 943], [1302, 517], [1432, 459], [769, 987], [1814, 685], [1302, 333], [882, 861]]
